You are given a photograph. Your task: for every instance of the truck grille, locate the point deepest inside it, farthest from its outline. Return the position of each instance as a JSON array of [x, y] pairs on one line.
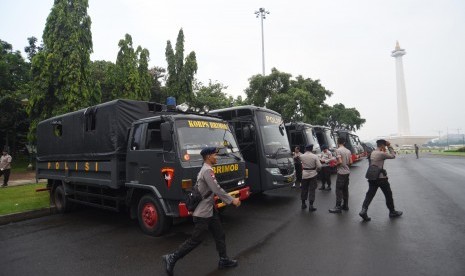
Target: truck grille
[[229, 180]]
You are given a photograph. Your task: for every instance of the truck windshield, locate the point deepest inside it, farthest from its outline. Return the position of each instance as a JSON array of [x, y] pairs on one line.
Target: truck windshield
[[312, 138], [194, 135], [330, 138], [273, 134]]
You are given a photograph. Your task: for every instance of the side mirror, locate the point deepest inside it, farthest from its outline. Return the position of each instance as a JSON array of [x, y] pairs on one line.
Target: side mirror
[[281, 130], [165, 129]]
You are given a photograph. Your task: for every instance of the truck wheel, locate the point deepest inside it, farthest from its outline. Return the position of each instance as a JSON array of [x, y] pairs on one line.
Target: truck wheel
[[62, 203], [152, 219]]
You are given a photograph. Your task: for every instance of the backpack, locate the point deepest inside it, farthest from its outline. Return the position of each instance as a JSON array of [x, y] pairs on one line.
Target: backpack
[[194, 197]]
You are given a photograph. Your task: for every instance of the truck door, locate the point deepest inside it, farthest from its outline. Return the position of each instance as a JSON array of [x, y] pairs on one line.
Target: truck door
[[148, 162], [134, 168], [160, 163]]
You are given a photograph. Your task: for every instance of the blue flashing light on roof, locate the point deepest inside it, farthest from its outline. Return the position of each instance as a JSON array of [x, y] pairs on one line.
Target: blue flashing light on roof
[[171, 103]]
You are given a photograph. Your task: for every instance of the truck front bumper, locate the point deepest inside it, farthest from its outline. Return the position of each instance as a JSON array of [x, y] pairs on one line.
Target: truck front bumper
[[242, 194]]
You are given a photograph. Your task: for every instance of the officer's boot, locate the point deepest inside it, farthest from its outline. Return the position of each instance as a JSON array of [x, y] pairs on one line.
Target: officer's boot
[[345, 206], [226, 262], [337, 209], [394, 214], [322, 187], [169, 261], [311, 208], [304, 206], [364, 214]]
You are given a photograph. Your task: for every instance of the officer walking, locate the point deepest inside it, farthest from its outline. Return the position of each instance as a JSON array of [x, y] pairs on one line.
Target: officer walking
[[310, 165], [205, 216], [344, 160], [377, 158], [5, 167]]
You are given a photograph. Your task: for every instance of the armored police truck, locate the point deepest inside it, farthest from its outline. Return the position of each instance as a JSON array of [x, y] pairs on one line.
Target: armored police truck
[[352, 143], [325, 137], [137, 155], [263, 142], [302, 134]]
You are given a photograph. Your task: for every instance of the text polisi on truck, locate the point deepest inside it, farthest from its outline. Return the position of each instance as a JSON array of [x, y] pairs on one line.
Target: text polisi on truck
[[138, 155]]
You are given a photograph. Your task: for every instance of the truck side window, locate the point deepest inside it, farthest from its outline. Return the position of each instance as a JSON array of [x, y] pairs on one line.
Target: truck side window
[[136, 137], [297, 138], [238, 131], [154, 136], [90, 119], [58, 130]]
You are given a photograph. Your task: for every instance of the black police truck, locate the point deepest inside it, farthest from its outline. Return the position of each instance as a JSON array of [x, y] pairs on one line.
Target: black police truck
[[302, 134], [263, 143], [137, 155]]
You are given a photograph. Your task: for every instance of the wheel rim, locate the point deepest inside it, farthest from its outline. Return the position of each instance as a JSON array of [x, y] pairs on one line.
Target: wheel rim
[[149, 215]]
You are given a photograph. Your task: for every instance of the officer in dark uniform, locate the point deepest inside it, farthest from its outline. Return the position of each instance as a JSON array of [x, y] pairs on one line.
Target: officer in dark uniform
[[206, 216]]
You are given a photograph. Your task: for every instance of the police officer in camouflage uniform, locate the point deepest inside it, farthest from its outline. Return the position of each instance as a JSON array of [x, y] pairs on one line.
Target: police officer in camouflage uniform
[[205, 216]]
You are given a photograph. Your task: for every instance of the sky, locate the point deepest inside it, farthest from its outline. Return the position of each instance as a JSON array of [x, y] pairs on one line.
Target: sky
[[345, 44]]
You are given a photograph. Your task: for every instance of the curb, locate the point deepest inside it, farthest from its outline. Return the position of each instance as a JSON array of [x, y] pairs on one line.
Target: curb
[[16, 217]]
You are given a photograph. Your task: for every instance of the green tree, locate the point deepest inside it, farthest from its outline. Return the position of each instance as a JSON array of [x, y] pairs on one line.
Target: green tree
[[14, 81], [61, 70], [211, 96], [157, 92], [301, 99], [32, 49], [101, 72], [131, 75], [144, 74], [338, 116], [180, 71]]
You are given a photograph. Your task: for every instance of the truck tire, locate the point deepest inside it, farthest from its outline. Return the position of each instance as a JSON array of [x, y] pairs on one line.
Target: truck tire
[[62, 203], [152, 219]]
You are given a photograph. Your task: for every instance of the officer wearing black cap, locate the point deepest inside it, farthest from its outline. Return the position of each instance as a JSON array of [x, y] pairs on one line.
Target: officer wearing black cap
[[377, 158], [310, 166], [205, 216]]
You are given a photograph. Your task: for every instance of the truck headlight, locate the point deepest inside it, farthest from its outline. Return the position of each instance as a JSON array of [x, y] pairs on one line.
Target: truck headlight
[[274, 171]]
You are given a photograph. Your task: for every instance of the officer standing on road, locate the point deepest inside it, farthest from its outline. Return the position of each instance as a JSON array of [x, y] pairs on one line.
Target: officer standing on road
[[297, 166], [205, 216], [5, 167], [416, 150], [377, 158], [325, 158], [310, 165], [344, 160]]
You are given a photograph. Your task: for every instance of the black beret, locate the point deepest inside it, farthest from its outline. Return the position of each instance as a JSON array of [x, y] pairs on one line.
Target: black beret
[[208, 151], [381, 142]]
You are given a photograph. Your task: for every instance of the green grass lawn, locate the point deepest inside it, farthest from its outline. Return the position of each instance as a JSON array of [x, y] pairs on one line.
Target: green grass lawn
[[453, 153], [17, 199], [20, 163]]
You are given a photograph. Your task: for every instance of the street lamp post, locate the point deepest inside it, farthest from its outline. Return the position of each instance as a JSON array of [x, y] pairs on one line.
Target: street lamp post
[[262, 14]]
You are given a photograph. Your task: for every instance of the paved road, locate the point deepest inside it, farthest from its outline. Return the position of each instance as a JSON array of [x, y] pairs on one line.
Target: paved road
[[269, 234]]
